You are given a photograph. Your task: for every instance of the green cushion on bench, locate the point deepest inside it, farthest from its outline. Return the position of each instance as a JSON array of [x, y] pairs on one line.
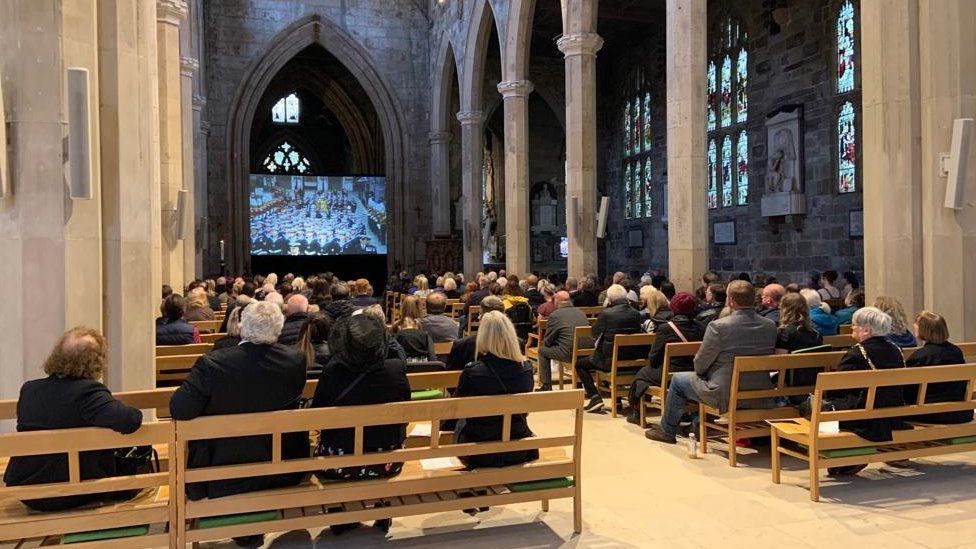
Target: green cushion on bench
[[110, 533], [547, 484], [817, 349], [231, 520], [427, 394], [846, 452], [960, 440]]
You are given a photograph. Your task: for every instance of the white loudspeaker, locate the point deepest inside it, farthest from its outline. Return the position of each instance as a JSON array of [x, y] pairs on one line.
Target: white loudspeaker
[[4, 174], [572, 216], [181, 213], [601, 217], [79, 135], [962, 129]]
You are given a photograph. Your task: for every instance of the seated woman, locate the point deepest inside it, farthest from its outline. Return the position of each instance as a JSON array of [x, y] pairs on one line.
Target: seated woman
[[71, 396], [900, 334], [852, 302], [681, 328], [233, 337], [820, 316], [416, 343], [198, 306], [313, 340], [171, 328], [499, 369], [656, 310], [936, 350], [795, 333], [873, 351], [360, 373]]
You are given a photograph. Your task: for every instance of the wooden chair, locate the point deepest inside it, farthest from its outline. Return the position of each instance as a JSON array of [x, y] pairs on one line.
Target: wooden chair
[[210, 326], [622, 371], [191, 349], [840, 341], [443, 349], [591, 312], [474, 312], [415, 491], [656, 395], [844, 329], [455, 310], [836, 449], [212, 338], [582, 347], [738, 423], [534, 340]]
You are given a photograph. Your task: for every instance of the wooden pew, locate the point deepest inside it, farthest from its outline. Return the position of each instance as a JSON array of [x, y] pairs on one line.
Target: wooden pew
[[455, 309], [212, 338], [151, 507], [835, 304], [839, 341], [591, 312], [737, 423], [822, 450], [656, 395], [844, 329], [413, 492], [209, 326], [191, 349], [622, 371], [443, 349], [174, 368], [474, 313]]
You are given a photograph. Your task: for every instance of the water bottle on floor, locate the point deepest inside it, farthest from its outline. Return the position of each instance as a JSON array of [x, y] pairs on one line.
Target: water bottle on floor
[[692, 446]]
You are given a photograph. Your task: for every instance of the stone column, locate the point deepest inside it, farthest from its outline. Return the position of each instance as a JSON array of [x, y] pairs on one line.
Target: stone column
[[472, 156], [127, 91], [580, 52], [948, 91], [440, 182], [188, 68], [892, 158], [170, 15], [517, 233], [687, 207]]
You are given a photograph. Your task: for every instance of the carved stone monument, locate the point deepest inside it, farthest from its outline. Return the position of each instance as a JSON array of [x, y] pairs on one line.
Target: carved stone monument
[[784, 172]]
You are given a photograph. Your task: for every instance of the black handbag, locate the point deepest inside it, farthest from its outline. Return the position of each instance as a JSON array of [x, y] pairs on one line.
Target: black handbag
[[138, 460]]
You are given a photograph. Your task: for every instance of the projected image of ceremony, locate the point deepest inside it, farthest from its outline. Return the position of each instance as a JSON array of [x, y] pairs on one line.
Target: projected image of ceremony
[[317, 215]]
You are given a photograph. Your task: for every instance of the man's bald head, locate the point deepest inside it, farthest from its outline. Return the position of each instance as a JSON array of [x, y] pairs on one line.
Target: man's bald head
[[297, 303], [436, 303], [772, 294], [562, 299]]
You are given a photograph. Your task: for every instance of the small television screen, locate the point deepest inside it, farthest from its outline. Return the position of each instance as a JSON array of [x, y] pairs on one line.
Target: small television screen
[[563, 247]]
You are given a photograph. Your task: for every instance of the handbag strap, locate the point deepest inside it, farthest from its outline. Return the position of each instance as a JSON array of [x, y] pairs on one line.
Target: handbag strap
[[349, 387], [678, 332], [497, 377], [868, 359]]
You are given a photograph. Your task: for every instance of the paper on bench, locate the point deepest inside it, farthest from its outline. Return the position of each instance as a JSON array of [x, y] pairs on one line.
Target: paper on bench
[[829, 427], [436, 464], [419, 430]]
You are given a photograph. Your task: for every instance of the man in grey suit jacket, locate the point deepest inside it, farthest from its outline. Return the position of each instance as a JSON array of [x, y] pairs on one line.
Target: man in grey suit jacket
[[741, 333], [557, 344]]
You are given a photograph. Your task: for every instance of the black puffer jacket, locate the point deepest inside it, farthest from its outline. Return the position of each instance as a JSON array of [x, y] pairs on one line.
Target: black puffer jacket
[[291, 328], [176, 332], [339, 309]]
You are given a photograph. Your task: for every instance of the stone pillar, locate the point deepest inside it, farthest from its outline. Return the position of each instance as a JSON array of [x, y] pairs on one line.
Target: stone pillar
[[948, 91], [517, 230], [892, 158], [127, 94], [170, 14], [440, 182], [580, 52], [472, 156], [686, 24], [188, 68]]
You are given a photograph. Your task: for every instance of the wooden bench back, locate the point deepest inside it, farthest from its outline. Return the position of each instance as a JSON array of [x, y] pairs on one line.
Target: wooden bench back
[[191, 349], [845, 340], [474, 317], [212, 338], [580, 333], [455, 309], [210, 326], [782, 364], [443, 348], [845, 329], [591, 311], [175, 367], [676, 350], [623, 341]]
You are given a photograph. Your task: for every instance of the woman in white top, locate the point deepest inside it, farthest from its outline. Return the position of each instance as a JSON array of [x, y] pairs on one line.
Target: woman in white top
[[827, 289]]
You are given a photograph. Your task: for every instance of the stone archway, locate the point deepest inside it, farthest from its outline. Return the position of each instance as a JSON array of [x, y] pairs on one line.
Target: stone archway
[[308, 30]]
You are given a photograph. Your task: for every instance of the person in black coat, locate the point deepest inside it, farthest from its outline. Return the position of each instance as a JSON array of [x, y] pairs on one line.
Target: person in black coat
[[796, 333], [314, 343], [297, 311], [259, 375], [499, 370], [711, 308], [588, 296], [936, 350], [618, 318], [71, 396], [680, 329], [171, 328], [340, 306]]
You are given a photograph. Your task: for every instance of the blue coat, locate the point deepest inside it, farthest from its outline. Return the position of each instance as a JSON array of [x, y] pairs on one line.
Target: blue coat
[[845, 315], [824, 322]]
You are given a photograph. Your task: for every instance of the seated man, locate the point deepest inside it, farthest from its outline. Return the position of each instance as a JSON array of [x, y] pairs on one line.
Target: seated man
[[617, 318], [557, 344], [297, 311], [259, 375], [741, 333], [439, 327], [772, 294], [463, 350], [171, 327]]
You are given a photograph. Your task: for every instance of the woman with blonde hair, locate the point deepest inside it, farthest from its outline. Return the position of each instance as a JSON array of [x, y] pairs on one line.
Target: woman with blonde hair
[[900, 334], [198, 306], [423, 287], [408, 332], [298, 285], [656, 308], [499, 369]]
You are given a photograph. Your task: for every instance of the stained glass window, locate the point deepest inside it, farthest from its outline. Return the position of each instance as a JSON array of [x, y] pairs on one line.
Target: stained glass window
[[845, 48], [627, 128], [710, 100], [286, 110], [727, 181], [647, 188], [726, 99], [638, 185], [629, 191], [742, 168], [846, 149], [647, 121], [712, 175], [286, 159], [741, 83], [637, 125]]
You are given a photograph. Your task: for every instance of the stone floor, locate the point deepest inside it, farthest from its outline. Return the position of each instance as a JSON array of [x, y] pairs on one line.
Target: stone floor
[[642, 494]]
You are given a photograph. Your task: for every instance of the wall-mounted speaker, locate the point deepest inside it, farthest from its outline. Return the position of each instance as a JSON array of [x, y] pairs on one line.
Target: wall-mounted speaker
[[958, 160], [4, 171], [601, 217], [572, 216], [79, 135], [181, 213]]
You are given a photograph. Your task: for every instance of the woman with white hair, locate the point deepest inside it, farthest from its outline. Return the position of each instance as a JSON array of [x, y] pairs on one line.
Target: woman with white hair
[[823, 321], [873, 351], [450, 288]]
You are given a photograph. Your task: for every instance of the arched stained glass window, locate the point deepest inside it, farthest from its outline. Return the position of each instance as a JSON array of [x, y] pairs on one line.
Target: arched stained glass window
[[741, 83], [712, 175], [627, 139], [727, 181], [648, 201], [647, 121], [286, 159], [638, 187], [638, 138], [629, 193], [742, 168], [845, 48], [847, 149], [711, 100], [726, 98], [287, 110], [637, 124]]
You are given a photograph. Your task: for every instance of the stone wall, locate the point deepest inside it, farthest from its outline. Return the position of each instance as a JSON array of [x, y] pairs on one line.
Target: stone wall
[[795, 66]]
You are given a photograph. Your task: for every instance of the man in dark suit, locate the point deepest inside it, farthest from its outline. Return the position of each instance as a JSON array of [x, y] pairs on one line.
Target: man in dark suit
[[741, 333], [617, 318], [557, 344], [259, 375]]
